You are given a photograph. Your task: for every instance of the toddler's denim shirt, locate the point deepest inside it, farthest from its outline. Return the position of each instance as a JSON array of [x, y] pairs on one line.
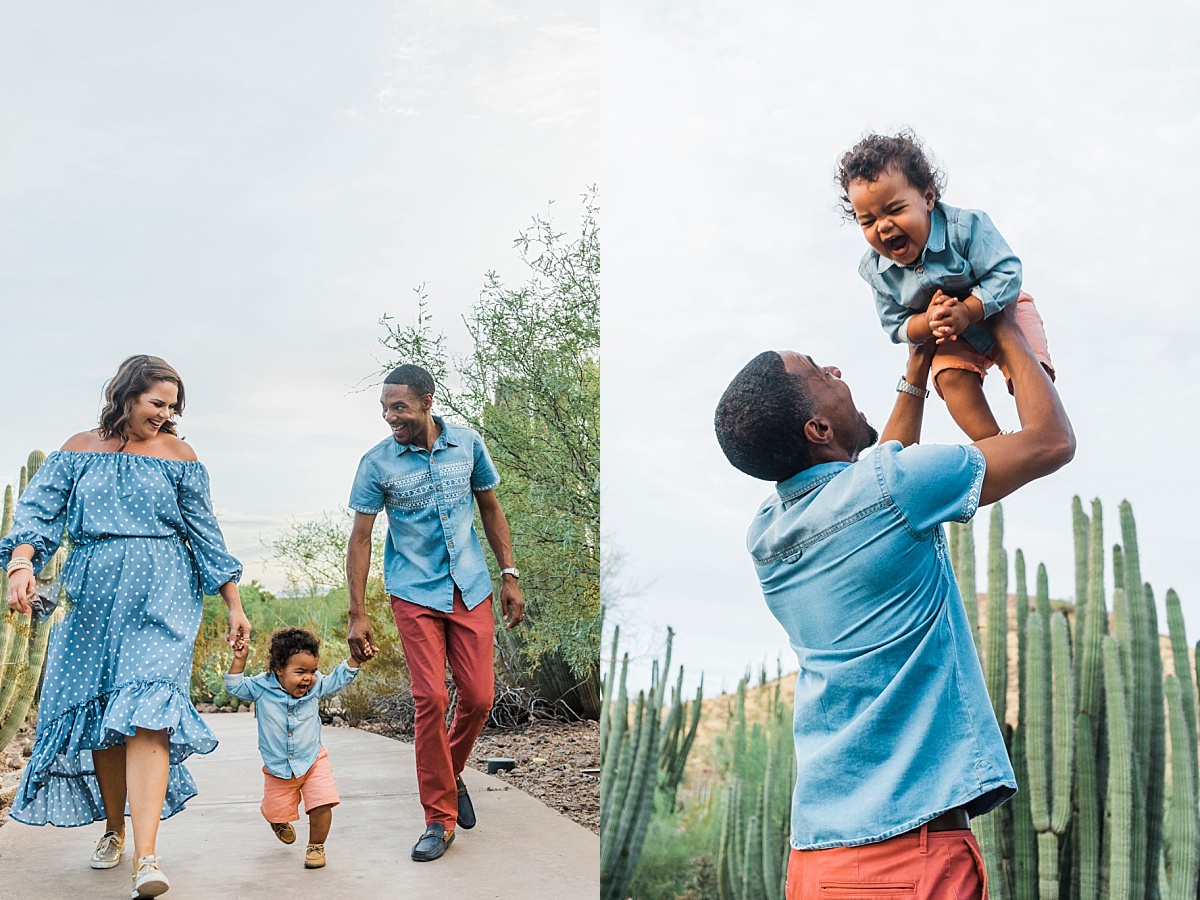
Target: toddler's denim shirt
[[964, 254], [289, 728], [430, 500], [893, 724]]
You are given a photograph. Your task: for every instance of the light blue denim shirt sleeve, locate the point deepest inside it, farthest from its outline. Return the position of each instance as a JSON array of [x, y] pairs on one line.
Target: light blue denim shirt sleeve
[[429, 498], [214, 562], [289, 728], [964, 254], [484, 476], [336, 680], [238, 685], [40, 515], [366, 494], [892, 725]]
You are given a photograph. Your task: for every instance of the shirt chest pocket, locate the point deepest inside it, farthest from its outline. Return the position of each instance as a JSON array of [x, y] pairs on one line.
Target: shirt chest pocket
[[301, 713]]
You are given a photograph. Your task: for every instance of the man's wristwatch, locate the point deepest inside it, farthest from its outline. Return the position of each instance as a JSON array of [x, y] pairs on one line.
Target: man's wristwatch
[[906, 388], [513, 571]]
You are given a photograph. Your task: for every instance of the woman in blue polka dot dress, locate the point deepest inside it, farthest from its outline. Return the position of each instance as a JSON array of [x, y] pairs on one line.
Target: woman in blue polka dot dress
[[115, 721]]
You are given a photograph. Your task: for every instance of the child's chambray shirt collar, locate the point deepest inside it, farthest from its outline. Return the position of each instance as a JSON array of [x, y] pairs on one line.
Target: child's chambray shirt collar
[[289, 728]]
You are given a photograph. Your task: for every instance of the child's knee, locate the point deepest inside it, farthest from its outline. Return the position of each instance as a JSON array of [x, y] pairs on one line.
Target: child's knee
[[955, 380]]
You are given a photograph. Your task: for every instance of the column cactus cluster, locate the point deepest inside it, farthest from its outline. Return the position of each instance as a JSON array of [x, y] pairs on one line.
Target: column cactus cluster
[[1099, 817], [23, 640], [640, 756], [758, 766]]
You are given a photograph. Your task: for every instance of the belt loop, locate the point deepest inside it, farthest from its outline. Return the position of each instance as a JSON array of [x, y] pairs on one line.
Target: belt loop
[[925, 838]]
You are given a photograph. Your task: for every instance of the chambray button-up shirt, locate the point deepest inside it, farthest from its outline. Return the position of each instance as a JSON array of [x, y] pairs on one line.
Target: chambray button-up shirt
[[893, 725], [430, 501], [289, 729], [964, 254]]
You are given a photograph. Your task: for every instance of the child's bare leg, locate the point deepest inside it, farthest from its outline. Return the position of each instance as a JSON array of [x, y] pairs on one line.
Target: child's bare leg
[[963, 392], [319, 821]]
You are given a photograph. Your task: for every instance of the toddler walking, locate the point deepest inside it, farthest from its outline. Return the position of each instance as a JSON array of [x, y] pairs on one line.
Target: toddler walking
[[289, 733], [937, 271]]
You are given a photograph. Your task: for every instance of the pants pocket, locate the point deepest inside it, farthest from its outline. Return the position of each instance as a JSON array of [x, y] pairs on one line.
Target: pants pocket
[[867, 890]]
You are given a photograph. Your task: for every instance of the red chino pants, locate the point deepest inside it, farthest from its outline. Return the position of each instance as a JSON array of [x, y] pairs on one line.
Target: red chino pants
[[918, 865], [431, 639]]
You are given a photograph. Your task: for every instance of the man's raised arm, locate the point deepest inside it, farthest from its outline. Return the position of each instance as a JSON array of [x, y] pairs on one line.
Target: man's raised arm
[[1046, 441], [904, 424]]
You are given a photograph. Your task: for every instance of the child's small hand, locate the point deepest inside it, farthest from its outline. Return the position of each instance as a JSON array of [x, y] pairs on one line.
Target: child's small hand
[[948, 317], [241, 648]]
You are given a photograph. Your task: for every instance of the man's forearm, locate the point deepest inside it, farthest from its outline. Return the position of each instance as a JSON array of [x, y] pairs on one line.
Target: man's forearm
[[495, 528], [908, 413], [358, 564]]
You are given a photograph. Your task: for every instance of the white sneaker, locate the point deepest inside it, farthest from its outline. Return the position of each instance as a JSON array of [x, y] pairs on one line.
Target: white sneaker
[[108, 851], [148, 879]]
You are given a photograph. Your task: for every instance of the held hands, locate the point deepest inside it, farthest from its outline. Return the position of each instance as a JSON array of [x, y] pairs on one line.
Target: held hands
[[948, 317], [21, 588], [361, 639], [241, 649], [239, 629]]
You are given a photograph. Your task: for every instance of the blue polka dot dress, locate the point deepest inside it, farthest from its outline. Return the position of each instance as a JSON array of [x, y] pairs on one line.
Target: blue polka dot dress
[[145, 543]]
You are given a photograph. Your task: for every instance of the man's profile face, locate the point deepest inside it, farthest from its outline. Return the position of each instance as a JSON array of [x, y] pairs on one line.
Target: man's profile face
[[405, 412], [831, 399]]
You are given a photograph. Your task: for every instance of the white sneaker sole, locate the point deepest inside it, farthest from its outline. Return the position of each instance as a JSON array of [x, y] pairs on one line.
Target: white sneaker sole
[[151, 887], [105, 864]]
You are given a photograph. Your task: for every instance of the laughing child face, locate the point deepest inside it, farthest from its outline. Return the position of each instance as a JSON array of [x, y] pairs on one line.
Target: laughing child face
[[299, 674], [893, 215]]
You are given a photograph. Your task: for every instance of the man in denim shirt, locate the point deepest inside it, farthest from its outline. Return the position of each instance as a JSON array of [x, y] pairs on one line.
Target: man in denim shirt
[[428, 476], [896, 743]]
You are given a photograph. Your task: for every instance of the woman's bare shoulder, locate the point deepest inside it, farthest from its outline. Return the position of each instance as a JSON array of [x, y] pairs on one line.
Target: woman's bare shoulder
[[86, 442], [172, 447]]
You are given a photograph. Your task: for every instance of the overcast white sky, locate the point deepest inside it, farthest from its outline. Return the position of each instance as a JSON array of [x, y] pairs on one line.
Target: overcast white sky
[[1076, 126], [244, 189]]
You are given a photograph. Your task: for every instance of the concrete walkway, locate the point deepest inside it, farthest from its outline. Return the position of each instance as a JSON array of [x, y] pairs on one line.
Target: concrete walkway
[[220, 848]]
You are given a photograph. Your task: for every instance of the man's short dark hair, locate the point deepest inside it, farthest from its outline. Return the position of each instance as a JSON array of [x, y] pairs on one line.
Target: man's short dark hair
[[760, 420], [414, 376]]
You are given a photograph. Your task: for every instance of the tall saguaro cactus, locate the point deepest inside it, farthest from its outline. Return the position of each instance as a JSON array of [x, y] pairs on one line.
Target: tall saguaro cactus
[[639, 756], [1146, 701], [1050, 743], [992, 829], [627, 780], [1183, 867], [1120, 823], [964, 570], [23, 640], [752, 850]]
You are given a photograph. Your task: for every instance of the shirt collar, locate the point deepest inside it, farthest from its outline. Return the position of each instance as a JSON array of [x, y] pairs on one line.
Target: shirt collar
[[808, 479], [443, 441], [935, 242]]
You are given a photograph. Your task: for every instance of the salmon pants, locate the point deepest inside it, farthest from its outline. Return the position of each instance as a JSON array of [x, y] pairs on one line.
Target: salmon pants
[[961, 355], [431, 639], [918, 865]]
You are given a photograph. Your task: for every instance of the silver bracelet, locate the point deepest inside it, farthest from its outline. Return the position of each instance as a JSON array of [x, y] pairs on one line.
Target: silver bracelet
[[905, 388]]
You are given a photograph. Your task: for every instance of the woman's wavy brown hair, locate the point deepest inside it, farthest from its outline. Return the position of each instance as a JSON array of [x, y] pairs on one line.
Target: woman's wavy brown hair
[[134, 377]]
